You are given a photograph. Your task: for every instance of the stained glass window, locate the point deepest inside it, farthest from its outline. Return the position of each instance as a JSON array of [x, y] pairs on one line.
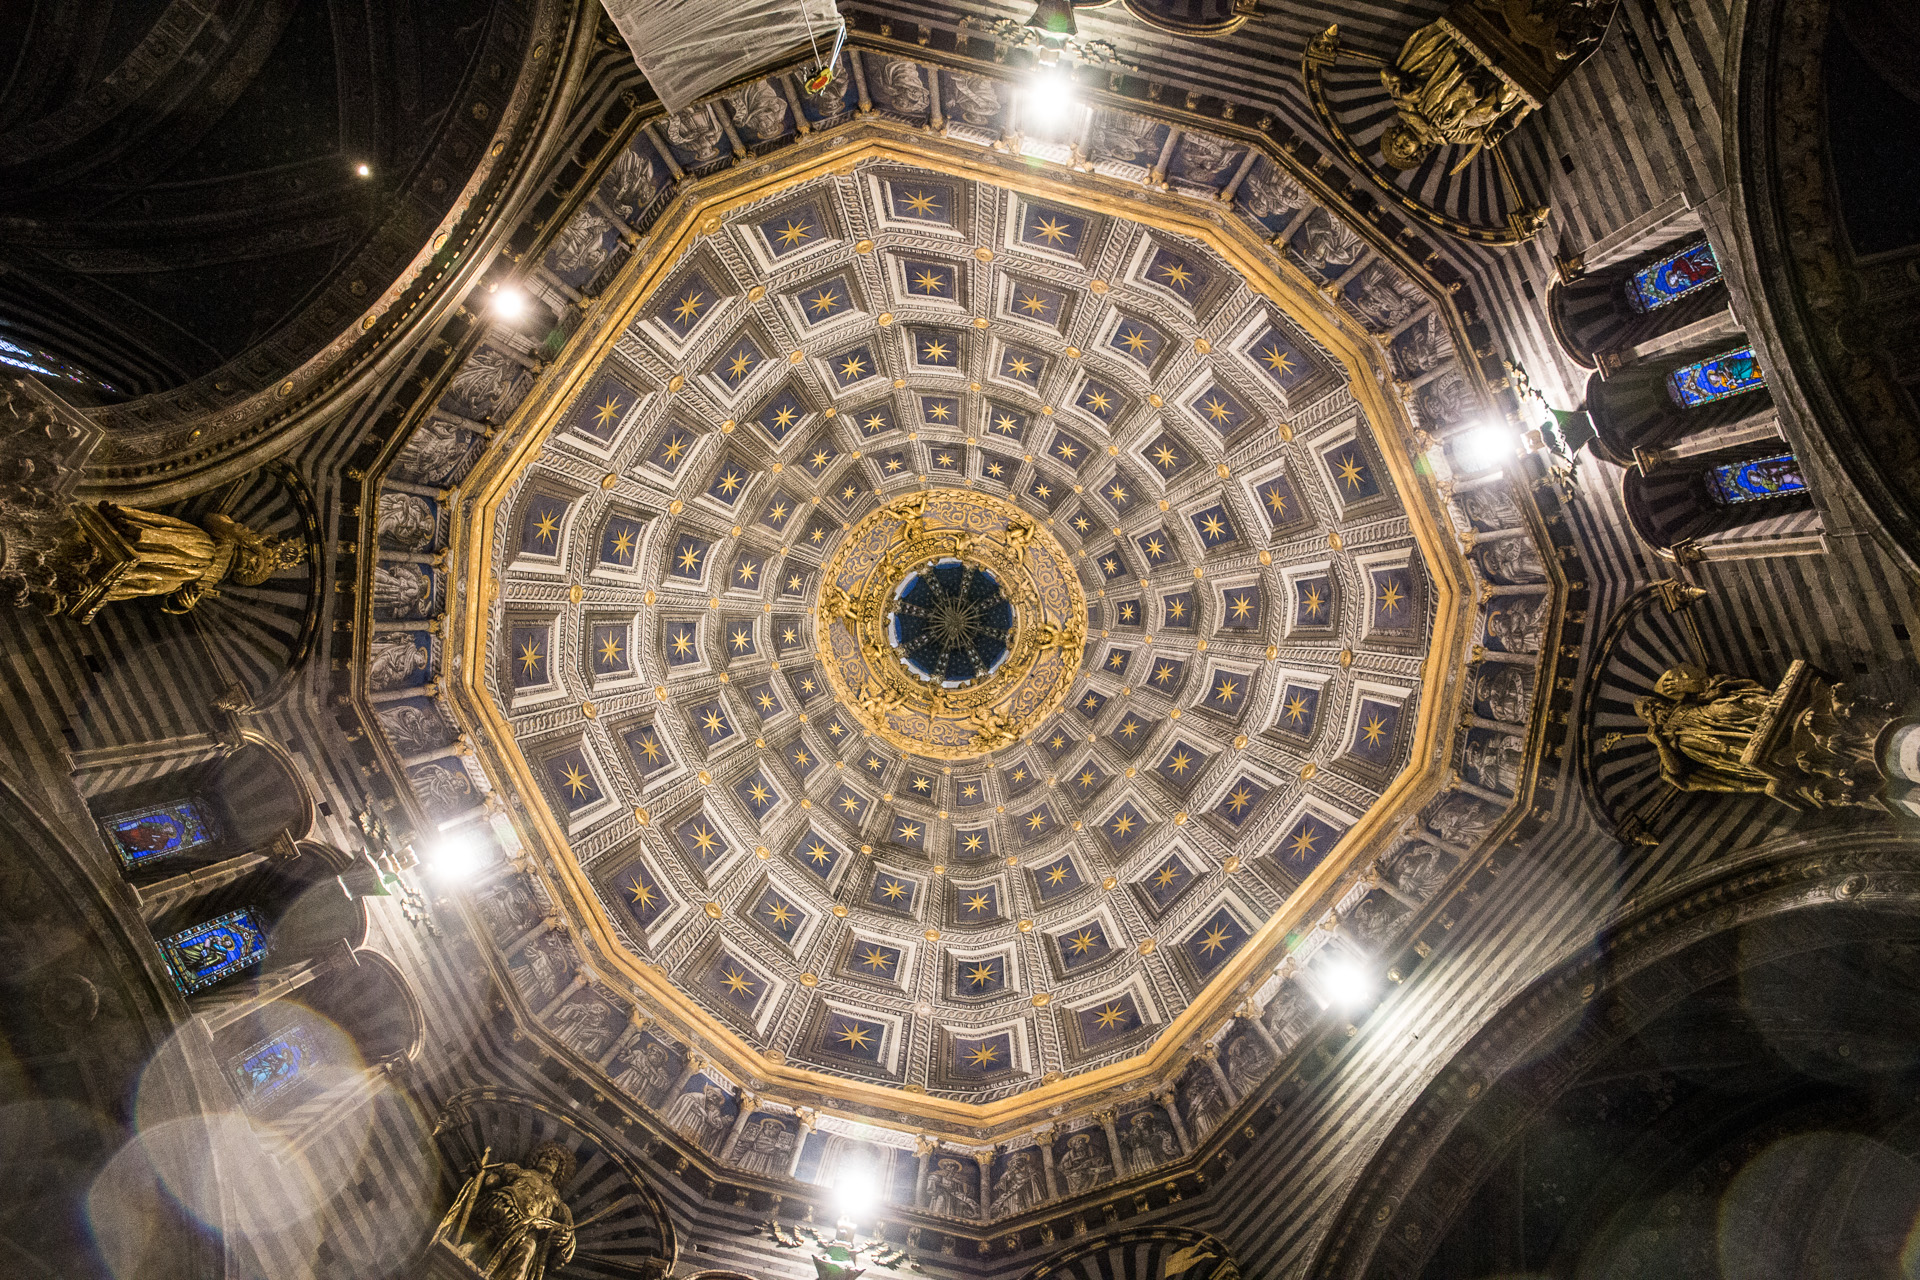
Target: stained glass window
[[269, 1067], [1673, 278], [1774, 477], [1715, 378], [145, 835], [212, 952], [36, 361]]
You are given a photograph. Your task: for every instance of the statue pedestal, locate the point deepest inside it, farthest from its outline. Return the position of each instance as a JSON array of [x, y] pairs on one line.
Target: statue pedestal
[[1820, 748], [1900, 760], [443, 1261]]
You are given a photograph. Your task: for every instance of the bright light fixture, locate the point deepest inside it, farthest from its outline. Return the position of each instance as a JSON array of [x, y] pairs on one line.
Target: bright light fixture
[[509, 303], [1484, 447], [456, 857], [364, 170], [1050, 101], [857, 1193], [1347, 983]]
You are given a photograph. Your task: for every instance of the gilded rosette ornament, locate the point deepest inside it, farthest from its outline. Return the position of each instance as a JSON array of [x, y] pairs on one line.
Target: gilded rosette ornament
[[951, 623]]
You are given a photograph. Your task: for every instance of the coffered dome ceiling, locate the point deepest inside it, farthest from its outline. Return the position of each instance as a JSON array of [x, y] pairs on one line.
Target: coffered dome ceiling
[[944, 632], [949, 622]]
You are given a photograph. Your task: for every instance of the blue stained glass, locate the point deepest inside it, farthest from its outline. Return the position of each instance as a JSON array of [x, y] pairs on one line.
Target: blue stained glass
[[1715, 378], [1671, 279], [270, 1066], [149, 834], [1774, 477], [209, 953]]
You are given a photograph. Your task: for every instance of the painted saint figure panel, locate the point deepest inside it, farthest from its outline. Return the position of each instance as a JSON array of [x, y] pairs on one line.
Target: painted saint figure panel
[[268, 1068], [1715, 378], [1672, 278], [209, 953], [1778, 476], [145, 835]]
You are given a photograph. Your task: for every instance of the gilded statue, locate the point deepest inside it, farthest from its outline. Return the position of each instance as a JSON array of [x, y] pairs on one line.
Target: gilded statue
[[109, 552], [992, 730], [1443, 94], [912, 511], [1808, 743], [1019, 537], [510, 1221], [836, 603]]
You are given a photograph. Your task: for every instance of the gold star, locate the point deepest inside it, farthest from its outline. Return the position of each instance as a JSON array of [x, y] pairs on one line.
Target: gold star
[[1240, 799], [547, 525], [1033, 304], [835, 730], [876, 959], [995, 470], [982, 1055], [741, 639], [944, 459], [1213, 526], [683, 643], [825, 300], [978, 902], [1303, 843], [785, 416], [850, 803], [1118, 493], [1277, 360], [789, 635], [575, 781], [1005, 424], [893, 890], [674, 448], [875, 422], [938, 411], [969, 791], [1277, 500], [922, 784], [1098, 401], [1110, 565], [935, 350], [1176, 274], [730, 481], [1019, 775], [1217, 409], [1019, 366], [1067, 450], [1242, 606], [747, 570], [1375, 730], [1179, 761], [1312, 602], [853, 368], [689, 558], [1351, 471], [713, 723], [1126, 612], [1053, 232], [781, 914], [1167, 875], [794, 232], [1123, 825], [739, 365], [738, 983], [610, 649], [1057, 875], [690, 306], [802, 759], [1163, 673], [1166, 457], [1117, 661], [1092, 701], [908, 831], [1043, 491], [1035, 821], [1227, 691], [1297, 709], [819, 459], [806, 685], [1082, 523], [1177, 609], [1082, 942], [982, 974], [777, 512], [607, 412], [650, 747], [929, 281], [643, 895], [758, 793], [793, 582], [622, 545], [1130, 728], [1135, 341], [1110, 1017], [921, 204], [1216, 939], [530, 656], [1057, 742], [818, 854], [1391, 596], [1087, 778]]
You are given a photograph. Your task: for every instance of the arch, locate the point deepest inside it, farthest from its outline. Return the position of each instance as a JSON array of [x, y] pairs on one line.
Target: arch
[[1657, 953], [1674, 509], [1597, 326], [1633, 414], [1145, 1253]]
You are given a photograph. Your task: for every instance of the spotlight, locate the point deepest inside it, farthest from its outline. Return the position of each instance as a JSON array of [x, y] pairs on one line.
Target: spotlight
[[857, 1194], [509, 303], [1053, 19], [1484, 447], [363, 169], [456, 857], [1049, 101], [1346, 983]]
